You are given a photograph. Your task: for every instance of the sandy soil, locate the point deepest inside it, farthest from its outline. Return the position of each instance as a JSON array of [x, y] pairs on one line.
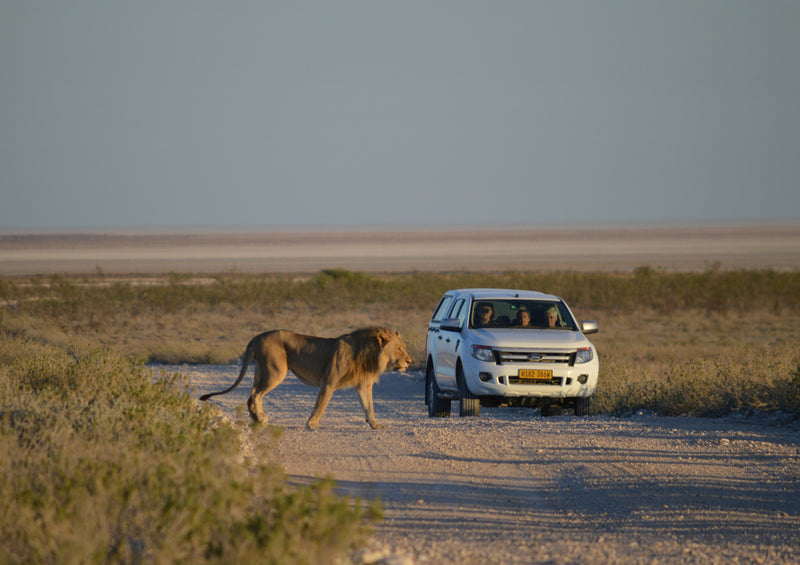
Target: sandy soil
[[683, 247], [513, 487]]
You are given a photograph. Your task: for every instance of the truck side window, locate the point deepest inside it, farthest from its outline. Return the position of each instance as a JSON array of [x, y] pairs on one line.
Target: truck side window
[[444, 303], [459, 311]]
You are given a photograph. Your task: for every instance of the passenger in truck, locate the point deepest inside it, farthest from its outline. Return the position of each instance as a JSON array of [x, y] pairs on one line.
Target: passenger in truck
[[551, 317], [523, 317]]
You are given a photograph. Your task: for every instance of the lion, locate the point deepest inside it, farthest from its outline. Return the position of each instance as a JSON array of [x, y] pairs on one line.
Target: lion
[[353, 360]]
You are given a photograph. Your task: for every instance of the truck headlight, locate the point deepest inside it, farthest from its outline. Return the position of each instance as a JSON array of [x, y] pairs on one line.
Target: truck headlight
[[482, 353], [584, 355]]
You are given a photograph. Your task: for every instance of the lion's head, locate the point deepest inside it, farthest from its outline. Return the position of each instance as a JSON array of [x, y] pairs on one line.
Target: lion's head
[[393, 350], [378, 349]]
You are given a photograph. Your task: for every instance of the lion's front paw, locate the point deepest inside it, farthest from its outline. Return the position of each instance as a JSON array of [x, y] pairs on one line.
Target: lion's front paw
[[377, 426], [312, 425]]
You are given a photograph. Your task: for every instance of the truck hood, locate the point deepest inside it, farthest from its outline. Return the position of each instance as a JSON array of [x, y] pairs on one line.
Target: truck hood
[[527, 339]]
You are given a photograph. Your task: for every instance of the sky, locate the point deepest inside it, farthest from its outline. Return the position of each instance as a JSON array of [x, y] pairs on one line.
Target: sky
[[265, 114]]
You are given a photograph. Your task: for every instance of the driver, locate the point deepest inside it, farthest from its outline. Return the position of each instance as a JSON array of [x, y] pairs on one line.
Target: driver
[[483, 315]]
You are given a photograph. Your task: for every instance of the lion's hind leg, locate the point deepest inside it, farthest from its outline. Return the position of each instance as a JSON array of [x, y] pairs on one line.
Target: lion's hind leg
[[269, 373]]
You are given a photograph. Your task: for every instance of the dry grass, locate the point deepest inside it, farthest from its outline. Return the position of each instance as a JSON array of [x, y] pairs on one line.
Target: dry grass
[[699, 363]]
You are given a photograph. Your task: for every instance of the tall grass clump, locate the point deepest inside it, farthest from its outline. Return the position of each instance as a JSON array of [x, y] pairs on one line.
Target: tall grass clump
[[100, 462]]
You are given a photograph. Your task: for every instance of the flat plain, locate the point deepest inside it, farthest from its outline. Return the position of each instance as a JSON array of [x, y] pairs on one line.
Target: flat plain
[[595, 248]]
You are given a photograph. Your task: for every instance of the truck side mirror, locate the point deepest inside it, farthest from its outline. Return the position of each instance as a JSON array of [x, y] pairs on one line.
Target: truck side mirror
[[451, 325], [589, 327]]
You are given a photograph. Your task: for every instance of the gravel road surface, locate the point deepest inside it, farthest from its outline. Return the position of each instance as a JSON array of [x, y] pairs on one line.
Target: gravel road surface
[[513, 487]]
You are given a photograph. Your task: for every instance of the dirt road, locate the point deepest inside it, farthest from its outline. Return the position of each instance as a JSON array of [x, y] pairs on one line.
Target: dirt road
[[513, 487]]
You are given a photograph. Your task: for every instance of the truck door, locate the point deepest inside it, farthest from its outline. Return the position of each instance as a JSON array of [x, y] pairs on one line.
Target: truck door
[[431, 342], [448, 346]]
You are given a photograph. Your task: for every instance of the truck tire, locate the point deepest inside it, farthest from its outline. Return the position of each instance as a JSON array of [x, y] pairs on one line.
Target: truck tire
[[583, 406], [437, 407], [470, 404]]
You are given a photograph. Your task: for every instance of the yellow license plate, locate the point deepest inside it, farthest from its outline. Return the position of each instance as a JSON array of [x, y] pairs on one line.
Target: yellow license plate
[[535, 374]]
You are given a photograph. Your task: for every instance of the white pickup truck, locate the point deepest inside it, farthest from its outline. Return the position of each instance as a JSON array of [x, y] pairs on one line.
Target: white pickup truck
[[508, 347]]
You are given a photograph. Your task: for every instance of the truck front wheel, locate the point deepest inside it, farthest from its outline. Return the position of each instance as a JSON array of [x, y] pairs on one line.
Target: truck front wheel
[[470, 404]]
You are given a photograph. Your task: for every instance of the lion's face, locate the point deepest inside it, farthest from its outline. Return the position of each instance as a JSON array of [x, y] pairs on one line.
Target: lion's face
[[396, 352]]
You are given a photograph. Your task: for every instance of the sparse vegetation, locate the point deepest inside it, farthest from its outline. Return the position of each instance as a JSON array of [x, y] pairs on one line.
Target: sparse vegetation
[[101, 462]]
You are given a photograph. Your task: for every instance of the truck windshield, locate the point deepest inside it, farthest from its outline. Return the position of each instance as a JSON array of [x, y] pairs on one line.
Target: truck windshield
[[521, 314]]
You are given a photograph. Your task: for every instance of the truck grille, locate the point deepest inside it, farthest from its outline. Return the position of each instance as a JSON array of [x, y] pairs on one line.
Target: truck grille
[[518, 357]]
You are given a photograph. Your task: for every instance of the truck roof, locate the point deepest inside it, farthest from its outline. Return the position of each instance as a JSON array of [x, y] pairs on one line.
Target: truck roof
[[504, 293]]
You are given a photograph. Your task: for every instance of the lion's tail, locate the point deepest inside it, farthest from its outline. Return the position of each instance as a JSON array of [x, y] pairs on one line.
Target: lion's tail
[[248, 354]]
